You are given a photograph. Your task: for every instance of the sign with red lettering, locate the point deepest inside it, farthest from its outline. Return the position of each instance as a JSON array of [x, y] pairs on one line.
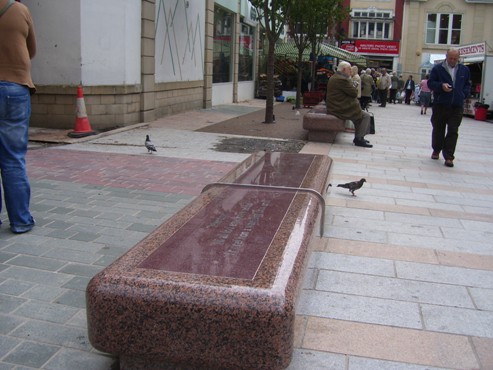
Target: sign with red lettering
[[371, 47], [472, 49]]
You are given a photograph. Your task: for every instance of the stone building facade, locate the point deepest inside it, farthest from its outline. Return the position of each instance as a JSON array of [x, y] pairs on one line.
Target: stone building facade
[[137, 60], [432, 26]]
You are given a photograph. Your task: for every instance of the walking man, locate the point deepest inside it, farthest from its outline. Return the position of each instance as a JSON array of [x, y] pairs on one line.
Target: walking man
[[451, 85]]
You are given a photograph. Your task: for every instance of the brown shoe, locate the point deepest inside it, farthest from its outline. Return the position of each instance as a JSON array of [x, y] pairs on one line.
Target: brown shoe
[[449, 163], [435, 155]]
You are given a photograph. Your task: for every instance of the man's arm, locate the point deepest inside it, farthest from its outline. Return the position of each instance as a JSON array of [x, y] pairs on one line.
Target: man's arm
[[31, 38]]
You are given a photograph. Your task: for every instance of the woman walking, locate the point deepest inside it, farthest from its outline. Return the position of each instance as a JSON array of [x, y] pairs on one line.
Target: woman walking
[[424, 94]]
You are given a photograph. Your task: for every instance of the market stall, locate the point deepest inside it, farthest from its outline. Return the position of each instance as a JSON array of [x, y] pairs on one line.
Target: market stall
[[479, 58], [326, 60], [289, 50]]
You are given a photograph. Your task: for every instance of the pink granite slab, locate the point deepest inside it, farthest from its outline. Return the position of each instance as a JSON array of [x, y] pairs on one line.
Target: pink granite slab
[[216, 285]]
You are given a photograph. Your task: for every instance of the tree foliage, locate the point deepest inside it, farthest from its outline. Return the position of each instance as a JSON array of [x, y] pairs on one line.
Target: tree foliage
[[310, 23]]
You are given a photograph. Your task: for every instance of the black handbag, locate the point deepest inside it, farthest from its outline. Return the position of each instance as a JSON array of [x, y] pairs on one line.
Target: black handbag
[[371, 129]]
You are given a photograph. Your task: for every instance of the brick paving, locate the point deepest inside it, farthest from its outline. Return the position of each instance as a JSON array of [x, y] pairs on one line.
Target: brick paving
[[402, 279], [139, 172]]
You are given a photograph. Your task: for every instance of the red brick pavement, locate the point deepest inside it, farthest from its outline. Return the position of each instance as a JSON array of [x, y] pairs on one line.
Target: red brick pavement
[[141, 172]]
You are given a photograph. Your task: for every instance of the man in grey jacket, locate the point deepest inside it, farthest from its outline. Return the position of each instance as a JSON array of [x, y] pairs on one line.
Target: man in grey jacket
[[343, 103]]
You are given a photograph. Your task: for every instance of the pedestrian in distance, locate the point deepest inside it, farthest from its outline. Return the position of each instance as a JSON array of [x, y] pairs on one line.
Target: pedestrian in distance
[[424, 94], [383, 87], [450, 82], [343, 103], [17, 48], [356, 80], [367, 86], [393, 88], [400, 89], [409, 88]]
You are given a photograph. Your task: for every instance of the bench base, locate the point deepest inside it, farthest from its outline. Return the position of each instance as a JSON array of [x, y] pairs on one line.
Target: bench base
[[322, 127], [215, 287], [322, 136]]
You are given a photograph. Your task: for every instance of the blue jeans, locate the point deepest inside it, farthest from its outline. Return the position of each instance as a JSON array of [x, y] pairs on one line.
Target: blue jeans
[[15, 111]]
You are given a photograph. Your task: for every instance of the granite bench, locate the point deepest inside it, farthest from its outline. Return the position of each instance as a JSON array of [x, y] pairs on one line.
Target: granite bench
[[215, 286], [321, 126]]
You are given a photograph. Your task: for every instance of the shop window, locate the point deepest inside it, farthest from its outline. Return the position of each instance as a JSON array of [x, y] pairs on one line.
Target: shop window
[[444, 29], [247, 52], [223, 46]]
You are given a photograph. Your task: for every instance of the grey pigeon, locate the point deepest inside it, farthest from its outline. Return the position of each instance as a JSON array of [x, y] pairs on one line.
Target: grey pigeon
[[352, 186], [149, 145]]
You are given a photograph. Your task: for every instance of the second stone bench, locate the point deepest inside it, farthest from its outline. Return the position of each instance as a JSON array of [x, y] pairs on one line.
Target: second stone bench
[[321, 126]]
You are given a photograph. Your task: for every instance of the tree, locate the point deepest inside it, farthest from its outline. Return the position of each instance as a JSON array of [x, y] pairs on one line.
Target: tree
[[309, 25], [330, 13], [272, 16], [300, 27]]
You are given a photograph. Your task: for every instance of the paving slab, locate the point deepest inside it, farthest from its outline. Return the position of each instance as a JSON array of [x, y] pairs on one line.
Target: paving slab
[[369, 299]]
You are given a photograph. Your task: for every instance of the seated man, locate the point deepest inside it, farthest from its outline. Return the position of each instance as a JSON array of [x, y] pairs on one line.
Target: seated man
[[342, 102]]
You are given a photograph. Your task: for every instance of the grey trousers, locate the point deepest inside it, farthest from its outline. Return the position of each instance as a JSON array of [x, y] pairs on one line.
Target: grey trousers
[[361, 126]]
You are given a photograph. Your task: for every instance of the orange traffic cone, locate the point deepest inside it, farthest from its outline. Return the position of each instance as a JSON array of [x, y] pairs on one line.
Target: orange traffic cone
[[82, 126]]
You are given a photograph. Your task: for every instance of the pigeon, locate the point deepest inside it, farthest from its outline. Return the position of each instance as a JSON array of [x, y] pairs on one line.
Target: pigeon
[[352, 186], [149, 145]]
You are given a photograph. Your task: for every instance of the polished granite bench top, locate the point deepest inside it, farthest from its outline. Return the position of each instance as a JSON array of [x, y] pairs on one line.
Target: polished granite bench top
[[215, 285]]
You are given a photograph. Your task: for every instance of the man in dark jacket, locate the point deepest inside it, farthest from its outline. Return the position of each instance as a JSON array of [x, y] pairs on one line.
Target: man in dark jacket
[[409, 88], [451, 85], [342, 102]]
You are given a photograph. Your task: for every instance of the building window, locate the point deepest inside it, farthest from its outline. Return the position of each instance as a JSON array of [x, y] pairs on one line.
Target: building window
[[370, 30], [247, 52], [223, 46], [371, 24], [443, 29]]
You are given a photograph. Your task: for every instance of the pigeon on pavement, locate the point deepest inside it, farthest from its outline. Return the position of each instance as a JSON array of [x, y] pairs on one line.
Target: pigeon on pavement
[[352, 186], [149, 145]]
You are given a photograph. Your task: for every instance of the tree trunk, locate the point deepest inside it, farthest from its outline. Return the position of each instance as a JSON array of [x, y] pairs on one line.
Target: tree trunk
[[269, 104], [299, 78], [314, 68]]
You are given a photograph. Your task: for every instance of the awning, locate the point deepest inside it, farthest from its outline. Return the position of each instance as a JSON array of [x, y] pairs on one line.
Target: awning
[[289, 50]]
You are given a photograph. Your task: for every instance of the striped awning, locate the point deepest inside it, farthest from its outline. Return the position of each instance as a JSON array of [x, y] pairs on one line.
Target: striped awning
[[289, 50]]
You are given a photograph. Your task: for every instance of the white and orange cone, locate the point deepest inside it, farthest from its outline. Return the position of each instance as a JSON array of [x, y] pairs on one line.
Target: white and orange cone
[[82, 126]]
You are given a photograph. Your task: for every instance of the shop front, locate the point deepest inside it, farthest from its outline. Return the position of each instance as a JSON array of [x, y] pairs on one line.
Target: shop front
[[379, 53], [480, 64]]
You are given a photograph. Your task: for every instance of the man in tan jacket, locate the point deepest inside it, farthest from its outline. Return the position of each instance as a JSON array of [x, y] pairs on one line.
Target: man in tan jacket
[[343, 103], [383, 87], [17, 47]]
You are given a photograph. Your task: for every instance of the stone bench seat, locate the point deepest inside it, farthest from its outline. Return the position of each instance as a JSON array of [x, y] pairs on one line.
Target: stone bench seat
[[322, 127], [215, 286]]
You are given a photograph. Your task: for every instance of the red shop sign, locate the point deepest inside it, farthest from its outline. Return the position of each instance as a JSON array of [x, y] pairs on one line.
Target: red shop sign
[[372, 47]]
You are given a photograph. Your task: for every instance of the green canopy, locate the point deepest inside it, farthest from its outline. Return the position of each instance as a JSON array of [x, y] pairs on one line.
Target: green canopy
[[289, 50]]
